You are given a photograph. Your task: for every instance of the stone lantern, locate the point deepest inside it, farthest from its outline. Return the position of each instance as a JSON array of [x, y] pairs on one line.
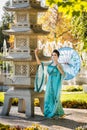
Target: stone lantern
[[26, 30]]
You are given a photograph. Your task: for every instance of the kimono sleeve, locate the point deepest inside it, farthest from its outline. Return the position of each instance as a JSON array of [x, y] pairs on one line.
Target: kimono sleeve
[[40, 78], [46, 63]]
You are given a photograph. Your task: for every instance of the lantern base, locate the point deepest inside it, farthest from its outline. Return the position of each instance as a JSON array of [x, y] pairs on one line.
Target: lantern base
[[26, 101]]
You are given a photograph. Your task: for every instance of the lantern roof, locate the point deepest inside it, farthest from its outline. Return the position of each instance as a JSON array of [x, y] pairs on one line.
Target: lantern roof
[[25, 31], [25, 57], [26, 6], [17, 57]]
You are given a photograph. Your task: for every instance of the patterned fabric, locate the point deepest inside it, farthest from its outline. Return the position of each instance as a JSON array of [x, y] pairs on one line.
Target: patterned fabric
[[52, 104], [39, 79], [70, 61]]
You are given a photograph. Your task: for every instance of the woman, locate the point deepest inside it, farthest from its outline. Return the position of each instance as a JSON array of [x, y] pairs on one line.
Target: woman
[[52, 104]]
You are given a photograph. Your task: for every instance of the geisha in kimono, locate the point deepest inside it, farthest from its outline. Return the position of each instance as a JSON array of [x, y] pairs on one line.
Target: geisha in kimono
[[52, 104]]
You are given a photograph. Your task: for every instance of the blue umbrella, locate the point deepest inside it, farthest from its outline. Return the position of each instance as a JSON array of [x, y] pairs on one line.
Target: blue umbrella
[[70, 61]]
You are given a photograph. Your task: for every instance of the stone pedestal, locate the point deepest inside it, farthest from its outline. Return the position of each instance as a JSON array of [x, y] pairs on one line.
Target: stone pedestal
[[27, 31], [26, 101]]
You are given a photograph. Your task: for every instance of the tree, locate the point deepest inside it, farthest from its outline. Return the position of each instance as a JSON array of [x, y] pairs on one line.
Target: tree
[[58, 25], [70, 7], [6, 20], [79, 28], [76, 11]]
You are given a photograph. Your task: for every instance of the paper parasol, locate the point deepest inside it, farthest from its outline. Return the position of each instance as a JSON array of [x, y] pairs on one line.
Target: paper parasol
[[70, 61]]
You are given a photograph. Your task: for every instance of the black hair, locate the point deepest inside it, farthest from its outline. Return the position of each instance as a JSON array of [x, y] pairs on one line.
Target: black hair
[[57, 52]]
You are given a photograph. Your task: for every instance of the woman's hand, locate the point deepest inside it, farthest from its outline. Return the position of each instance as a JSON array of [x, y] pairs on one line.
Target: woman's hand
[[60, 68], [57, 63]]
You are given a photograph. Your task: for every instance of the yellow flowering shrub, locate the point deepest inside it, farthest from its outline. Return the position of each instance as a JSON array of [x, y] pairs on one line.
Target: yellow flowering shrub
[[36, 102], [33, 127], [36, 127], [81, 128], [15, 102], [4, 127]]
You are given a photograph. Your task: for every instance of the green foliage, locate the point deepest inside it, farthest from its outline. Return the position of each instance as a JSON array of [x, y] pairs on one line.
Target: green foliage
[[7, 18], [85, 30], [69, 7], [76, 10], [4, 127], [2, 36], [15, 101], [74, 104], [79, 28]]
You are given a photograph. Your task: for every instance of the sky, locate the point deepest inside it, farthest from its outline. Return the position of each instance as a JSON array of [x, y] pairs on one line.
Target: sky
[[2, 3]]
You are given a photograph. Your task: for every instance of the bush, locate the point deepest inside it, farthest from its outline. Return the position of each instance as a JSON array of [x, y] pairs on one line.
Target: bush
[[36, 102], [4, 127], [74, 100], [15, 101], [73, 88], [74, 104]]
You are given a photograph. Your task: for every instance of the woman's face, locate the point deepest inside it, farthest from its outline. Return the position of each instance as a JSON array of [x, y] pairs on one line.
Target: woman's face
[[54, 56]]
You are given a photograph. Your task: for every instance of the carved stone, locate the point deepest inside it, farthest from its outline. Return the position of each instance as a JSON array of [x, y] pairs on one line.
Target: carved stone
[[26, 30]]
